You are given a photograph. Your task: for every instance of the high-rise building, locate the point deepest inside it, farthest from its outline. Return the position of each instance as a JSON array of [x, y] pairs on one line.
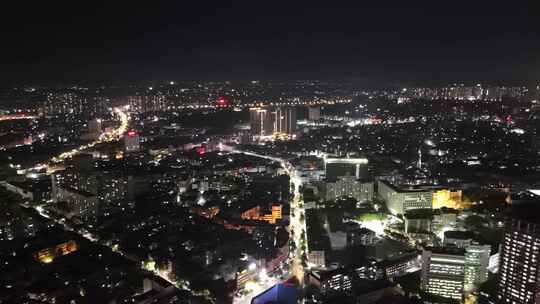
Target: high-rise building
[[337, 167], [348, 186], [63, 103], [94, 128], [131, 141], [284, 120], [476, 266], [519, 266], [314, 113], [261, 122], [443, 272], [148, 103], [454, 272], [268, 122]]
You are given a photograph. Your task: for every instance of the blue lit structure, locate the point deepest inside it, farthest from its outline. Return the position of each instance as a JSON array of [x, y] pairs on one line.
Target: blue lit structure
[[277, 294]]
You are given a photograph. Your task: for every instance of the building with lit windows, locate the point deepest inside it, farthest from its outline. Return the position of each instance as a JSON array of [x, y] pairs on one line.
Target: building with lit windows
[[260, 122], [257, 214], [348, 186], [147, 103], [131, 142], [519, 265], [443, 272], [47, 255], [284, 120], [454, 272], [337, 167], [476, 266], [400, 200]]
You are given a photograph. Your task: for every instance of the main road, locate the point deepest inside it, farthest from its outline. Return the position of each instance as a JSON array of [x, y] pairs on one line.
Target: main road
[[113, 135], [104, 137], [297, 224]]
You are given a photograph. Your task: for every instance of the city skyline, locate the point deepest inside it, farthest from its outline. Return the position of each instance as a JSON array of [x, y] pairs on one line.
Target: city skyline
[[173, 152]]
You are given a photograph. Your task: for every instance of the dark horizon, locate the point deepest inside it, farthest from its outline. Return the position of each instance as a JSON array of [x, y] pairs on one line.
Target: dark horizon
[[51, 43]]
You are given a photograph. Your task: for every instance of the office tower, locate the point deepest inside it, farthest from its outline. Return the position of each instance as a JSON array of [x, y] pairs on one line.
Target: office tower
[[443, 272], [261, 122], [452, 272], [519, 264], [284, 120], [476, 264], [314, 113], [131, 142], [336, 167]]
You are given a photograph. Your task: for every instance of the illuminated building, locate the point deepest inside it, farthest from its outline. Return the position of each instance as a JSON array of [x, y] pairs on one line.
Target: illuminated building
[[147, 103], [131, 141], [443, 272], [279, 293], [62, 103], [401, 265], [314, 113], [260, 122], [277, 122], [284, 120], [348, 186], [519, 263], [476, 266], [47, 255], [336, 167], [399, 201], [449, 199], [453, 272], [208, 213], [338, 281], [255, 213], [418, 221], [77, 203]]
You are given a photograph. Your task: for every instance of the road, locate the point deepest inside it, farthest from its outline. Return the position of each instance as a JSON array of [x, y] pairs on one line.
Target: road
[[296, 225], [114, 135], [104, 137]]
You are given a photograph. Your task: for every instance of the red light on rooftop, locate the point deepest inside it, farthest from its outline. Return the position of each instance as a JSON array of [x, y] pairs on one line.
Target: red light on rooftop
[[201, 151], [132, 133], [222, 101]]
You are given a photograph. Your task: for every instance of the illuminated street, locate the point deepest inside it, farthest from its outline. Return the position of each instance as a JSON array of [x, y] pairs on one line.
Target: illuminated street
[[296, 225], [105, 137]]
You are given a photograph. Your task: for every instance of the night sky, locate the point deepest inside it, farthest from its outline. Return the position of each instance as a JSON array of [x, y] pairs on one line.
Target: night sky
[[444, 41]]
